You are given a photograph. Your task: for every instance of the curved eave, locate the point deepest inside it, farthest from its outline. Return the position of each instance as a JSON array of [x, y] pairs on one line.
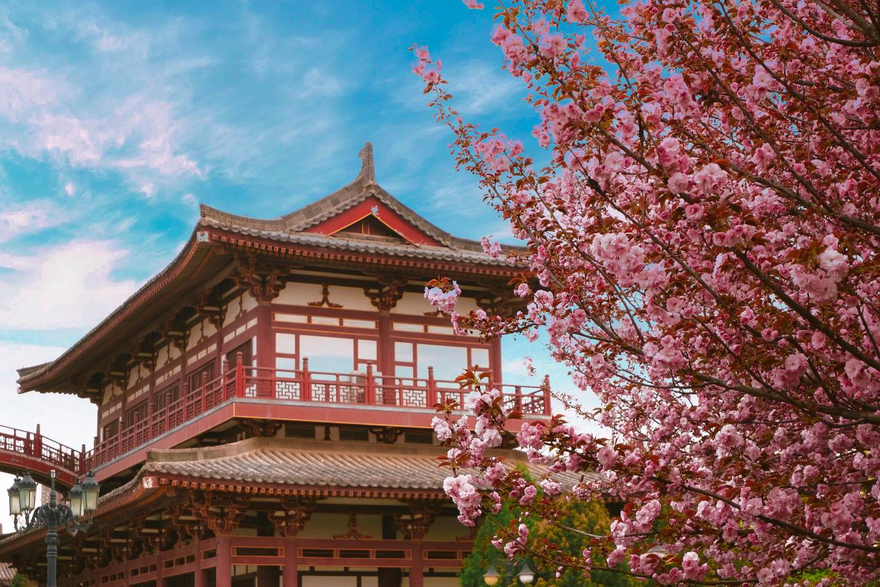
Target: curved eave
[[130, 317], [360, 254]]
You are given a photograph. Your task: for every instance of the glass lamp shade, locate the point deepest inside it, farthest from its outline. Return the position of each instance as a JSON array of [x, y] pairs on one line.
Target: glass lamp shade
[[526, 575], [491, 577], [76, 500], [90, 491], [27, 493], [14, 499]]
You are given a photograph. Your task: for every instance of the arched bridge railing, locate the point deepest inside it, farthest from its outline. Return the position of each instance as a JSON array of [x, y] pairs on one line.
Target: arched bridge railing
[[22, 450]]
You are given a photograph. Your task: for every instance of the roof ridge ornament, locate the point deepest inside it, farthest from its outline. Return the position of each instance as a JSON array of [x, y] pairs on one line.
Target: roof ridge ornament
[[368, 169]]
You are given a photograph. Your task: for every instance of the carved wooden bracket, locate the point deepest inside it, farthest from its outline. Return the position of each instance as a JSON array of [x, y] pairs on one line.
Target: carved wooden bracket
[[414, 525], [264, 428], [387, 435], [195, 528], [175, 334], [325, 299], [263, 281], [292, 519], [352, 532], [386, 295], [209, 308], [221, 512]]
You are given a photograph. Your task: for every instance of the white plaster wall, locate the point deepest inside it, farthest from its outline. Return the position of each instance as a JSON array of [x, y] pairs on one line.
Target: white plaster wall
[[351, 298], [446, 528], [162, 357], [233, 309], [248, 302]]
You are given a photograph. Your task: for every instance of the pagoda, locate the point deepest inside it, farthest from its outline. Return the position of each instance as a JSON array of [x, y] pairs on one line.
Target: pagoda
[[264, 406]]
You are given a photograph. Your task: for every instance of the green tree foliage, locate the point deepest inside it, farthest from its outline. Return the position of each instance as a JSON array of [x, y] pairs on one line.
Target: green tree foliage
[[591, 518], [19, 580]]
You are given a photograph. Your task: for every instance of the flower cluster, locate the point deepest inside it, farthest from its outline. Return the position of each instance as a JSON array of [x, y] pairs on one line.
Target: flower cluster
[[704, 256]]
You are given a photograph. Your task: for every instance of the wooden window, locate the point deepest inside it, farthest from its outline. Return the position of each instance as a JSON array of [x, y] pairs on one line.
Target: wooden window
[[110, 430], [136, 414], [247, 354], [195, 378], [166, 397]]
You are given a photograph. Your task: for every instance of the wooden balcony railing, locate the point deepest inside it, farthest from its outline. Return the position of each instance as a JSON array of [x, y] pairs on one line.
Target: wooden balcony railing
[[31, 450], [312, 387]]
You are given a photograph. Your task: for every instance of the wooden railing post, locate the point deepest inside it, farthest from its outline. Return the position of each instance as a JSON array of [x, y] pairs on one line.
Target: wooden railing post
[[224, 381], [204, 392], [239, 375], [38, 444], [432, 389], [546, 388], [306, 392], [517, 399], [82, 460], [151, 411], [370, 386]]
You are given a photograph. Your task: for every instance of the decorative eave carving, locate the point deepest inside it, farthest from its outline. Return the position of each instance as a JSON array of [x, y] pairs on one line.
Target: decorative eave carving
[[415, 525], [352, 532], [262, 280], [209, 307], [295, 512], [221, 512], [388, 435], [387, 293], [325, 299], [263, 428]]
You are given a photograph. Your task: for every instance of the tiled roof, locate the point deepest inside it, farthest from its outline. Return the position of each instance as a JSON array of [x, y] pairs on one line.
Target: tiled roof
[[289, 228], [316, 464], [360, 246]]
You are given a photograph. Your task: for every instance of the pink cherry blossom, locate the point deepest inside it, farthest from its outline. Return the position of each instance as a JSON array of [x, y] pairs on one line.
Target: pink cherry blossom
[[702, 237]]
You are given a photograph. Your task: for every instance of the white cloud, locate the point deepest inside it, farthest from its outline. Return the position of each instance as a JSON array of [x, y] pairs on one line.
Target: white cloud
[[138, 133], [19, 219], [148, 189], [481, 87], [69, 188], [67, 286], [317, 84]]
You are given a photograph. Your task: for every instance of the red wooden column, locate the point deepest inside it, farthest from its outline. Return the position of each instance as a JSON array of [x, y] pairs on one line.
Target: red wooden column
[[224, 561], [289, 574], [416, 571], [160, 580], [386, 346], [199, 578], [265, 355]]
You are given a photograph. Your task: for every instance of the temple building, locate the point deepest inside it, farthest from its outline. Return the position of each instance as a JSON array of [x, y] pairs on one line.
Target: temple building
[[264, 406]]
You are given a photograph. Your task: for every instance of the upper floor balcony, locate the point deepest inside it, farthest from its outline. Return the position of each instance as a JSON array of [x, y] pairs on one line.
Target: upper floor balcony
[[277, 395]]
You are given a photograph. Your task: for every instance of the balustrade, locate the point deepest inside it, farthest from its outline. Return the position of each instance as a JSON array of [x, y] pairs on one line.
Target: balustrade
[[355, 389]]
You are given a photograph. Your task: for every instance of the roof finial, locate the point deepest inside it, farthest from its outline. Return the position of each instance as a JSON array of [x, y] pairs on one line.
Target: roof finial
[[368, 171]]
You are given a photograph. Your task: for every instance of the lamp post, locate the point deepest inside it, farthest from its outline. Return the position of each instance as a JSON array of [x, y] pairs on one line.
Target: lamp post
[[83, 503], [525, 575]]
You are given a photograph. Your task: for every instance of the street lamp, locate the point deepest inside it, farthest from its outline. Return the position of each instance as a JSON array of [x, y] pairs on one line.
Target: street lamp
[[83, 503], [525, 576]]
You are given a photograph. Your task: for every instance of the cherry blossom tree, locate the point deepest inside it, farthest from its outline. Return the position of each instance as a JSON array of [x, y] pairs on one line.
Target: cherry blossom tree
[[703, 255]]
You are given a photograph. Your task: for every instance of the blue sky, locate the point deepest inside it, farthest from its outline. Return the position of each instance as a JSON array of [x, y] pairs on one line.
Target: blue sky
[[118, 118]]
